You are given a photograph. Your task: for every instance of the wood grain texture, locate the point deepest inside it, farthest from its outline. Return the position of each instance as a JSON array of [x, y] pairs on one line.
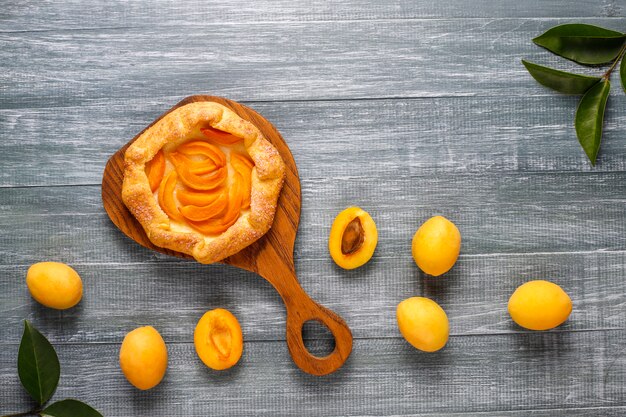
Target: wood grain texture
[[388, 377], [269, 62], [406, 108], [57, 14], [426, 137], [474, 295]]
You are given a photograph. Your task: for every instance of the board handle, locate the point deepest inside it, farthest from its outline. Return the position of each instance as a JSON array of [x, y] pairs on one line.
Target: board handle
[[301, 309], [306, 310]]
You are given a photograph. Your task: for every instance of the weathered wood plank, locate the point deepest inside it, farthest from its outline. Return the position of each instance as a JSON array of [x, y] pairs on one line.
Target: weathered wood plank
[[502, 223], [54, 15], [382, 377], [267, 61], [173, 295], [377, 139]]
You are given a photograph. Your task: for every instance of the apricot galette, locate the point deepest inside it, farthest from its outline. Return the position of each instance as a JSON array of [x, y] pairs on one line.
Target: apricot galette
[[203, 181]]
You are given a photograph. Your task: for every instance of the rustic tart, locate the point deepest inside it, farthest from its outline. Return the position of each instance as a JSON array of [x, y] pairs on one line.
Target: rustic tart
[[203, 181]]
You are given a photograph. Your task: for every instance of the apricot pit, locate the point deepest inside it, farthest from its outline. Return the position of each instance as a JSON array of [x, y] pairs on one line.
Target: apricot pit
[[353, 238]]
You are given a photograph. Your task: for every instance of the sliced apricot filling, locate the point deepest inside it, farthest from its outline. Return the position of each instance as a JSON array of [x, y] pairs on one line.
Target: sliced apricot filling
[[353, 238], [220, 137], [199, 190], [155, 170], [166, 196]]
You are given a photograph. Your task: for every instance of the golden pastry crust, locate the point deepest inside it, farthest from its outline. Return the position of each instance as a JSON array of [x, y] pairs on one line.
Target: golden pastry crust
[[172, 130]]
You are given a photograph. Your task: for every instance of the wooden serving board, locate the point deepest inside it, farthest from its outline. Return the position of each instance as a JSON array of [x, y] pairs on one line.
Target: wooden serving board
[[270, 257]]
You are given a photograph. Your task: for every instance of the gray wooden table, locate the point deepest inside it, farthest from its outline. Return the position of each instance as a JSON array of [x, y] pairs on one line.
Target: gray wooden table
[[405, 108]]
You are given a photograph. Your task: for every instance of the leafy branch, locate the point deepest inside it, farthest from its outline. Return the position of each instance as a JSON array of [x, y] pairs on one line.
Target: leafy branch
[[587, 45], [39, 371]]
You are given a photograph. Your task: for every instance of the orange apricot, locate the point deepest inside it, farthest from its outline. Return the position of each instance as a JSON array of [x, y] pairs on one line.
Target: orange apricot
[[54, 285], [143, 357], [218, 339], [220, 137], [539, 305], [353, 238], [155, 170]]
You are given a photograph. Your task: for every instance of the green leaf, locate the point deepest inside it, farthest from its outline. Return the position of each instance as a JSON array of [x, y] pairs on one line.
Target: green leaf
[[70, 408], [37, 365], [622, 73], [589, 118], [585, 44], [563, 82]]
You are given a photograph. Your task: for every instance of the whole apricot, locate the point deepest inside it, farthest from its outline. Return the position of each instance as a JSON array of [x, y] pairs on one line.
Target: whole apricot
[[423, 323], [539, 305], [54, 285], [353, 238], [218, 339], [436, 246], [143, 357]]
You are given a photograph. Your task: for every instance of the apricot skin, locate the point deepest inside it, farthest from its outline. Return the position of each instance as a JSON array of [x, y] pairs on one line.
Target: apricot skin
[[365, 251], [218, 339], [54, 285], [436, 246], [143, 357], [423, 323], [539, 305]]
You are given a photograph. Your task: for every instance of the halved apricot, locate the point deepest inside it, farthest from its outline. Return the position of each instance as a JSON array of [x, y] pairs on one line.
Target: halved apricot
[[221, 137], [155, 170], [166, 196], [218, 339], [353, 238]]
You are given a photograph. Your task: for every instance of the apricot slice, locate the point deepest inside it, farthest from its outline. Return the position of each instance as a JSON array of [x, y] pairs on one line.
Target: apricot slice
[[199, 213], [218, 339], [204, 166], [219, 225], [155, 170], [353, 238], [198, 147], [193, 198], [221, 137], [166, 196], [243, 166], [201, 182]]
